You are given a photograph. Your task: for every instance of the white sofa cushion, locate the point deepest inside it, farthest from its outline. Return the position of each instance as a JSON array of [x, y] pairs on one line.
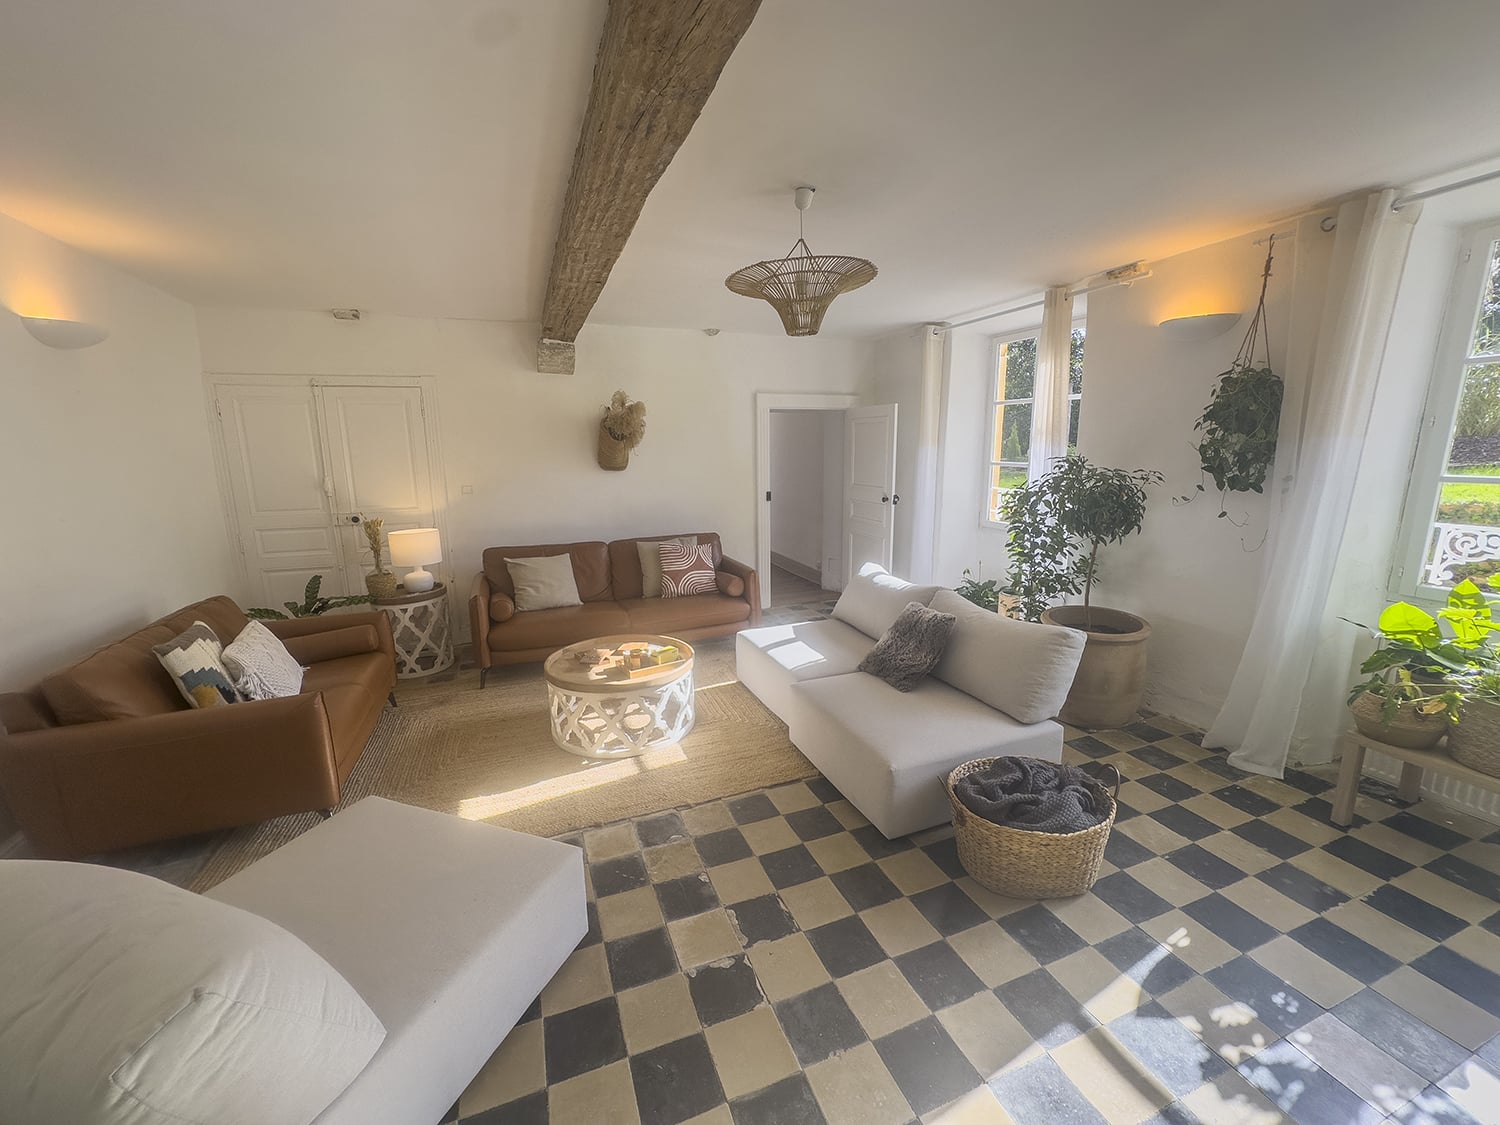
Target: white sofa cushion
[[770, 659], [129, 1001], [874, 599], [448, 927], [1018, 667], [888, 751]]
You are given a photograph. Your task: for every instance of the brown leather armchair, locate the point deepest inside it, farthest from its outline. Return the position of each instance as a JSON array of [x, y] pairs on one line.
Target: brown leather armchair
[[610, 588], [105, 754]]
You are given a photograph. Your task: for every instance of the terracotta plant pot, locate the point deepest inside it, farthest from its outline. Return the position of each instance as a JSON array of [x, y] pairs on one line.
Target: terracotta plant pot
[[1111, 679], [381, 584], [1410, 728]]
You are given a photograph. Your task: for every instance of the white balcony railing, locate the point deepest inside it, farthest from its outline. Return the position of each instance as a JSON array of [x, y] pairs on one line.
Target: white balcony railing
[[1454, 544]]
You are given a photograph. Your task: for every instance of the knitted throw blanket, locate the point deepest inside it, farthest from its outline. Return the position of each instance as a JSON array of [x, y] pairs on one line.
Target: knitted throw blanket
[[1033, 795]]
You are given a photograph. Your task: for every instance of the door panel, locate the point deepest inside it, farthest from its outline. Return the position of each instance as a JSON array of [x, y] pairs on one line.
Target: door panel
[[869, 486], [377, 449], [274, 456]]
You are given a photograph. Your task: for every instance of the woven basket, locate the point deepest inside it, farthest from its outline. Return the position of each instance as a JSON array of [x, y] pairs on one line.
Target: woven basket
[[1023, 864], [380, 584], [1475, 739], [1409, 729], [614, 454]]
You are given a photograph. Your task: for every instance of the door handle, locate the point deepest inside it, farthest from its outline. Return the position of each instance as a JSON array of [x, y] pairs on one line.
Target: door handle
[[353, 519], [885, 499], [896, 498]]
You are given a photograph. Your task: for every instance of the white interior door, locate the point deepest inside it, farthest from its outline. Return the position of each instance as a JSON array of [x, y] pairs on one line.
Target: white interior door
[[378, 466], [869, 486], [273, 454]]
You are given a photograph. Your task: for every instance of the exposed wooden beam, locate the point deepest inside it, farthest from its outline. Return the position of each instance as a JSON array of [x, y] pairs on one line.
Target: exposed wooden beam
[[658, 62]]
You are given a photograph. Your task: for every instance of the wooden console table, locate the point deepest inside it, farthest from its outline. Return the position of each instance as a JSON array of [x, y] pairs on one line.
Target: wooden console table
[[1414, 763]]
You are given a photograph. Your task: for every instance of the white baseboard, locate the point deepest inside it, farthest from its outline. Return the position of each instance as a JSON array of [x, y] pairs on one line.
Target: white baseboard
[[801, 570]]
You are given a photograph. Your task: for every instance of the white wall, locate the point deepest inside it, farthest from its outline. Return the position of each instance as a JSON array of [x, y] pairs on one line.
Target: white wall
[[797, 486], [112, 517], [525, 442]]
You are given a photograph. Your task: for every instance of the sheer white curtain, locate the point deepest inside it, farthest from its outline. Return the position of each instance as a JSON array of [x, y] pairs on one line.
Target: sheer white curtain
[[1049, 422], [1291, 617]]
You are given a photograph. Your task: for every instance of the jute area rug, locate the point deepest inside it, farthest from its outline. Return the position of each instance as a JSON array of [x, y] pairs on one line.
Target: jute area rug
[[488, 755]]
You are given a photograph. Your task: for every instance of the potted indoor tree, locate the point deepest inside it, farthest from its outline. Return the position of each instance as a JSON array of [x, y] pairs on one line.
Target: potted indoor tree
[[1058, 523]]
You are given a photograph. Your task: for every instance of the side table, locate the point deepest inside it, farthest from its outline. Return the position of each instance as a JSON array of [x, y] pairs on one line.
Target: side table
[[419, 625], [1414, 763]]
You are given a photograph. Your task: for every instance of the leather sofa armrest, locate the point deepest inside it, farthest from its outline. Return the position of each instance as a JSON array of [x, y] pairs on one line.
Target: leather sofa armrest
[[333, 622], [752, 584], [479, 619], [331, 644], [91, 787]]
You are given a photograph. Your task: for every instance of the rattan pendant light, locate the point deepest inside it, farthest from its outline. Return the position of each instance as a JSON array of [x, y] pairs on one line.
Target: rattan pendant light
[[801, 286]]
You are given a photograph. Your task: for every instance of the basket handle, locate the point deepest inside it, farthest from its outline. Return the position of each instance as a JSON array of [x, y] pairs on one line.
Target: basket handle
[[1105, 781]]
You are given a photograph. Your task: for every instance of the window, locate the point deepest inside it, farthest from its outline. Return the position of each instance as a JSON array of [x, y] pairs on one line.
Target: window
[[1012, 399], [1456, 488]]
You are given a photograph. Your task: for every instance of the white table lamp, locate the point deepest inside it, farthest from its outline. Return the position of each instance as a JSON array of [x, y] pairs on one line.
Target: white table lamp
[[416, 548]]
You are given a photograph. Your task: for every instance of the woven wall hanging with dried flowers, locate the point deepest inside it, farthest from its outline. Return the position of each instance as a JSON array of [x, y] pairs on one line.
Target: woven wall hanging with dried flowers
[[620, 430]]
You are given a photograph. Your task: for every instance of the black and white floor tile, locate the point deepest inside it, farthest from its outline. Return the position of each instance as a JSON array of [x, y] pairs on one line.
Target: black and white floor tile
[[773, 959]]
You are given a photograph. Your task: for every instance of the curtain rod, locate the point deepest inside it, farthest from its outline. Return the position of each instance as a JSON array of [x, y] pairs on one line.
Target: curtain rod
[[1444, 189], [1078, 290]]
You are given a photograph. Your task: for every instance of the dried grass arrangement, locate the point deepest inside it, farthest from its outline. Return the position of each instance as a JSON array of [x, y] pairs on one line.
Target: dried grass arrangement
[[620, 430], [381, 582]]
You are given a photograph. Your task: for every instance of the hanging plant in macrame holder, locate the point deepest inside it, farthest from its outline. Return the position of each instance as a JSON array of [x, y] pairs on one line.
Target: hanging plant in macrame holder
[[1240, 423]]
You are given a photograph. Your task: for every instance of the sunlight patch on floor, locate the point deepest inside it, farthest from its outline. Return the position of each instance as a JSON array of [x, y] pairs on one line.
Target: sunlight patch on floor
[[494, 804]]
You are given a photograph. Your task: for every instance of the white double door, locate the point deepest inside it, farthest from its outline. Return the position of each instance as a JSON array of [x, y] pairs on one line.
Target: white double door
[[305, 461]]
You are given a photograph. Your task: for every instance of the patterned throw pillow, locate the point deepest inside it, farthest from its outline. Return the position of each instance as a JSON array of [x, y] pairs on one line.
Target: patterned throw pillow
[[911, 647], [686, 571], [195, 660], [261, 665]]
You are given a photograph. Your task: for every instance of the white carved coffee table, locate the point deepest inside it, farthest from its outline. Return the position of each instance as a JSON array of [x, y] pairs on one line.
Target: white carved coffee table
[[604, 710]]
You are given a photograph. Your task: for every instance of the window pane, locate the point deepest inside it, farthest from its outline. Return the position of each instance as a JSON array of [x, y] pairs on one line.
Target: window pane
[[1017, 369], [1487, 329], [1465, 543], [1075, 373], [1012, 432], [1073, 425], [1003, 477], [1476, 426]]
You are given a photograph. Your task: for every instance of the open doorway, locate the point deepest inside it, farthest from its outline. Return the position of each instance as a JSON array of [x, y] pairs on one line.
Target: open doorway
[[807, 487]]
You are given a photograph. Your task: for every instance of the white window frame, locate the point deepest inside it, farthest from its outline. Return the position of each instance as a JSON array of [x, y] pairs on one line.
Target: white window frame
[[1408, 577], [1059, 441]]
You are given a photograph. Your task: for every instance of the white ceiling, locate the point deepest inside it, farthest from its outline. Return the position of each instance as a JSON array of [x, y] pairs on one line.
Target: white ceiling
[[411, 158]]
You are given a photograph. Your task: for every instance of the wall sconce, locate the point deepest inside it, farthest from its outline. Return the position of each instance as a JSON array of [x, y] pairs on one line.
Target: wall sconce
[[1204, 327], [57, 333]]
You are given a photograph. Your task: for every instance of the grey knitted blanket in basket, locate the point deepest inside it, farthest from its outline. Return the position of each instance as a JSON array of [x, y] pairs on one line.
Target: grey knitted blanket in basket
[[1033, 795]]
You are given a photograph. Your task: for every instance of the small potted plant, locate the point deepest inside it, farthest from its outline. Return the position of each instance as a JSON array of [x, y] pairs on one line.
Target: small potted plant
[[313, 604], [988, 594], [1058, 523], [1412, 696], [380, 582], [1474, 740]]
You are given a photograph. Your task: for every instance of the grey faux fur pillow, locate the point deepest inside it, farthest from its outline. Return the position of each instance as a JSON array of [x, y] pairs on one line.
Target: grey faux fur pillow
[[911, 647]]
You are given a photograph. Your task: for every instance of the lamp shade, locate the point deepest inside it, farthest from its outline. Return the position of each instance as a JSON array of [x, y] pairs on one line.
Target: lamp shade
[[415, 548], [1202, 327], [64, 333]]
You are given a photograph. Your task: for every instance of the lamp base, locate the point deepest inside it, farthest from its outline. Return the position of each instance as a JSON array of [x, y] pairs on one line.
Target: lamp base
[[418, 581]]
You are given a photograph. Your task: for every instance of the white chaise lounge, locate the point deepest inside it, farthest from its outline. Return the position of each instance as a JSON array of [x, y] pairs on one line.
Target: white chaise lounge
[[996, 691]]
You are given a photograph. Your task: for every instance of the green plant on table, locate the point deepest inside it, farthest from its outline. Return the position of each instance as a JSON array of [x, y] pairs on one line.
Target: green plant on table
[[312, 604], [986, 594], [1059, 521], [1400, 690]]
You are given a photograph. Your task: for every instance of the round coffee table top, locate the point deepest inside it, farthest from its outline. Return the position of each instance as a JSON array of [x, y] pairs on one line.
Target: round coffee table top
[[598, 664]]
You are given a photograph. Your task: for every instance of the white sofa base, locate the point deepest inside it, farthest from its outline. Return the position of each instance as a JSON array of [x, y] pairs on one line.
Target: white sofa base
[[888, 751], [448, 928]]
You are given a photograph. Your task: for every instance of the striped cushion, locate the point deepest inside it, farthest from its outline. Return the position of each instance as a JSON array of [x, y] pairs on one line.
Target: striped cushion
[[687, 570], [196, 661]]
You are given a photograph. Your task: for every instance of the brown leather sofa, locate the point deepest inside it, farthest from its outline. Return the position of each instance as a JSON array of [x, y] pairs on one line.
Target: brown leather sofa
[[610, 586], [107, 754]]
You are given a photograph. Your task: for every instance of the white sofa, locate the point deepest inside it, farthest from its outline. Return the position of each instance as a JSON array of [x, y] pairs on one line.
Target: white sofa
[[360, 975], [996, 691]]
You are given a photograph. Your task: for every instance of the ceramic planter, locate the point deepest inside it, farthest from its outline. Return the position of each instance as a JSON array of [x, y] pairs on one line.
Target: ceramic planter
[[1111, 679]]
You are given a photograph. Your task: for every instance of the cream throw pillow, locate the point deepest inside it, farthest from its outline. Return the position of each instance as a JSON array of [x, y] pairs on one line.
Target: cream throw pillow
[[261, 665], [195, 660], [124, 999], [544, 582], [874, 599], [650, 553]]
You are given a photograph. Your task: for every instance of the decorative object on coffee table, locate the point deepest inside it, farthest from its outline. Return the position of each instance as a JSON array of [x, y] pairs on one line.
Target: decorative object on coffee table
[[380, 582], [420, 628], [619, 696], [416, 548], [1022, 862], [620, 430]]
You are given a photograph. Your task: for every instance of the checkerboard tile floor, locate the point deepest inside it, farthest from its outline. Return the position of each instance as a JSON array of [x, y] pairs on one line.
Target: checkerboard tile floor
[[772, 958]]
